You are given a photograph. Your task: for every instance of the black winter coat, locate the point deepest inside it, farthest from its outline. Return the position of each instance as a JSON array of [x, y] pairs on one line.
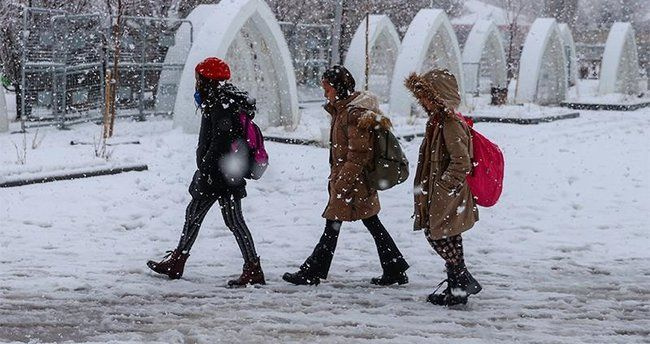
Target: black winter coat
[[220, 170]]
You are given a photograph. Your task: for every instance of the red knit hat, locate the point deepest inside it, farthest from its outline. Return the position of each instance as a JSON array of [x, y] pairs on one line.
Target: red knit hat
[[214, 69]]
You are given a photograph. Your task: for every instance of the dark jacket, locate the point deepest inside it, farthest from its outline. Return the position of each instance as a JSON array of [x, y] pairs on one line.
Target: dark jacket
[[351, 150], [221, 170]]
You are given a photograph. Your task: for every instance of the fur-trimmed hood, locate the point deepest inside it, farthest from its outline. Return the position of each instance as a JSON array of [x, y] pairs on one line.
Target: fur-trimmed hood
[[439, 86], [371, 116]]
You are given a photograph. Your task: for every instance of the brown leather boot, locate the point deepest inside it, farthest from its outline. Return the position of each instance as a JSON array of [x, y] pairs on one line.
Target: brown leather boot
[[251, 274], [171, 265]]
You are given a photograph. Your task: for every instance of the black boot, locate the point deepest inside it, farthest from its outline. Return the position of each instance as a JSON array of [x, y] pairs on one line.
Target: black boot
[[301, 278], [460, 285], [171, 265], [251, 274], [444, 297], [390, 279]]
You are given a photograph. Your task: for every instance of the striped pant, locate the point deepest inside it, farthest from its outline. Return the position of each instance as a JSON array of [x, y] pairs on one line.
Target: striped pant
[[232, 216]]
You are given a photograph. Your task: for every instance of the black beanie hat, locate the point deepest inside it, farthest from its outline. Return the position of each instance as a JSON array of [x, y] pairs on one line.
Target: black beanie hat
[[341, 79]]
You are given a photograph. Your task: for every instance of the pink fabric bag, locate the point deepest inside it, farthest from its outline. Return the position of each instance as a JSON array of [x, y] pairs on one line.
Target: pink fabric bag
[[259, 158]]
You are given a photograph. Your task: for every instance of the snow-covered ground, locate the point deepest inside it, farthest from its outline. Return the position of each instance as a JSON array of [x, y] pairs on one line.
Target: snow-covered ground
[[563, 258], [586, 91], [480, 107]]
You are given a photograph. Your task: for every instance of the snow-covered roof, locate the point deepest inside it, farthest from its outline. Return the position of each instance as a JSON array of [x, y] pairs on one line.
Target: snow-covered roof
[[475, 10]]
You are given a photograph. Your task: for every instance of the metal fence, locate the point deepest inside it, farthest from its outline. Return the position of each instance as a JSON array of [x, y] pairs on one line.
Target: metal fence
[[143, 58], [62, 75], [65, 57]]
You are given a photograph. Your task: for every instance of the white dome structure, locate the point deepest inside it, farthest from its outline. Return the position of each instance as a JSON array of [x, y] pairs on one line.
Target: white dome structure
[[619, 71], [383, 44], [484, 58], [542, 67], [247, 36], [430, 42], [170, 77], [4, 116], [570, 53]]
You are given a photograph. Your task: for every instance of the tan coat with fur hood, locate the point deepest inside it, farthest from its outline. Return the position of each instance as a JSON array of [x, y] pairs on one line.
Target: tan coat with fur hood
[[351, 144], [444, 205]]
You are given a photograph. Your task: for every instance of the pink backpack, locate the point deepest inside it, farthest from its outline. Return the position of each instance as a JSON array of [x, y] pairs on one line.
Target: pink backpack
[[486, 180], [259, 158]]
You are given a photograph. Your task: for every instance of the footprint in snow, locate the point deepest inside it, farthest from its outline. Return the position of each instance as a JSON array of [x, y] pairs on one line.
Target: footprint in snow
[[38, 224]]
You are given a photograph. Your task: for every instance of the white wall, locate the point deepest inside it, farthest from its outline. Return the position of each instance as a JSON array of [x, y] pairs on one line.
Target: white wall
[[4, 115], [430, 42], [484, 56], [619, 71], [570, 49], [384, 44], [220, 30], [542, 67]]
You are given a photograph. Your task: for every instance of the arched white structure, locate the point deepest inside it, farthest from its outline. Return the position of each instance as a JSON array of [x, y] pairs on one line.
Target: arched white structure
[[542, 67], [4, 116], [570, 53], [245, 34], [484, 59], [383, 44], [170, 77], [430, 42], [619, 71]]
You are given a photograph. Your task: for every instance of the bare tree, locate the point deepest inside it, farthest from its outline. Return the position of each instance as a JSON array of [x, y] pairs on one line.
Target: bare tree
[[21, 152], [514, 11]]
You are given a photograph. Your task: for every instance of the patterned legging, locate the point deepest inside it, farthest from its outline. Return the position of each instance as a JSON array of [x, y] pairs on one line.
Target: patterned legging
[[450, 249], [232, 216]]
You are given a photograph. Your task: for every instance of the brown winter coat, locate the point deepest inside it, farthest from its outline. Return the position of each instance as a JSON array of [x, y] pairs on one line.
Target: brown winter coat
[[351, 144], [444, 205]]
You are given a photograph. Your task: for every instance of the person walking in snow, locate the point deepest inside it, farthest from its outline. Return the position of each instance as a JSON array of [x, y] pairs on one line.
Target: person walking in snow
[[354, 115], [221, 171], [444, 205]]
